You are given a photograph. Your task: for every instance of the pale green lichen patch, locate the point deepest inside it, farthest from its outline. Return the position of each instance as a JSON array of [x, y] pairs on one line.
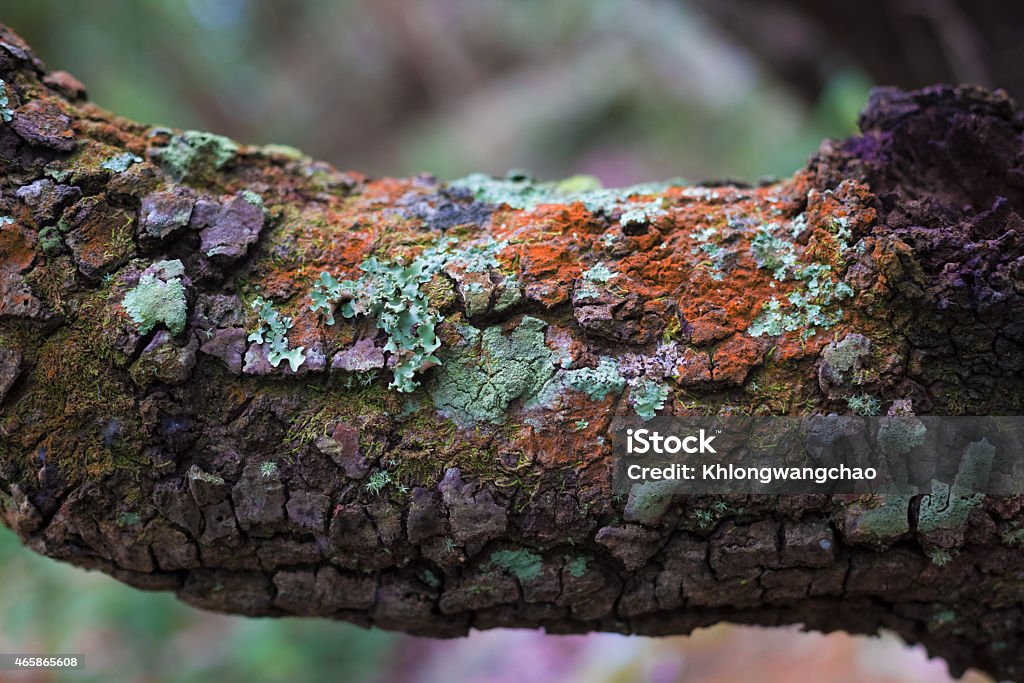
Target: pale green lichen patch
[[519, 191], [809, 306], [158, 298], [642, 214], [597, 382], [947, 507], [877, 521], [576, 566], [480, 379], [121, 162], [522, 564], [648, 397], [195, 473], [393, 294], [864, 405], [648, 501], [592, 278], [193, 152], [6, 113]]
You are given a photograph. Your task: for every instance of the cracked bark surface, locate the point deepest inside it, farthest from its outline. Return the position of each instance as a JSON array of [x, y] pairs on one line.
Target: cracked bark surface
[[183, 460]]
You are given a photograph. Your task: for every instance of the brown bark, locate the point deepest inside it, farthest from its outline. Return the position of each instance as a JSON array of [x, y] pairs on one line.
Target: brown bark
[[160, 446]]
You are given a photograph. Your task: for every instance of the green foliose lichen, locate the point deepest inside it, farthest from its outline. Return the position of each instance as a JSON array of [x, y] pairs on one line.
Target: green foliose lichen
[[479, 380], [272, 330], [398, 297], [648, 397], [810, 305], [159, 297], [121, 162]]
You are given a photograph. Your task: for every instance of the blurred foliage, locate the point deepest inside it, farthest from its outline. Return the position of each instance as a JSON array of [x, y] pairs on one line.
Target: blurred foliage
[[626, 91], [129, 635]]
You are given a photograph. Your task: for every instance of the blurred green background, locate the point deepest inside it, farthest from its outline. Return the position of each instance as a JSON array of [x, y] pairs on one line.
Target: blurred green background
[[627, 91]]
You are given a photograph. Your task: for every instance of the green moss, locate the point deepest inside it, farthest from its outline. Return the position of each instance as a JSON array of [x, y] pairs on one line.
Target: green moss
[[430, 578], [194, 153], [1013, 538], [522, 564], [377, 482], [158, 298], [481, 378], [50, 241]]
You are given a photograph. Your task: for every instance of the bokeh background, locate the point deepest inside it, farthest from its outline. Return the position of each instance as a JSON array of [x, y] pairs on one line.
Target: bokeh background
[[627, 91]]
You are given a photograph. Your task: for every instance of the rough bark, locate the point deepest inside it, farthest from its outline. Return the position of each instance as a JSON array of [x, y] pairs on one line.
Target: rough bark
[[157, 444]]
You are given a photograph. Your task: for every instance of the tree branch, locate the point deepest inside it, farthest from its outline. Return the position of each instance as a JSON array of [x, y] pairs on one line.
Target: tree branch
[[438, 457]]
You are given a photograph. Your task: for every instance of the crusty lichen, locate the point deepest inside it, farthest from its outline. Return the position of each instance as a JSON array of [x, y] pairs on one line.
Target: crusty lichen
[[159, 298], [522, 564], [479, 380], [193, 153], [947, 507]]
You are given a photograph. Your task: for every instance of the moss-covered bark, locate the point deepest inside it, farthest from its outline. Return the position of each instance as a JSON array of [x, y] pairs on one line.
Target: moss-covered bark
[[419, 439]]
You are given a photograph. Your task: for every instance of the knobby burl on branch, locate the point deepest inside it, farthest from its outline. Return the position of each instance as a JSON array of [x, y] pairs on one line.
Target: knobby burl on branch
[[275, 388]]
